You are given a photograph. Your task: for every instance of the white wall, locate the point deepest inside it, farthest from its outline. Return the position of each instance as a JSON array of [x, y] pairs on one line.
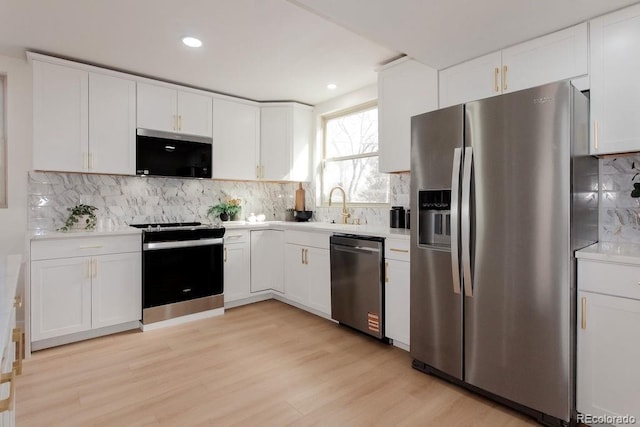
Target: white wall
[[13, 219]]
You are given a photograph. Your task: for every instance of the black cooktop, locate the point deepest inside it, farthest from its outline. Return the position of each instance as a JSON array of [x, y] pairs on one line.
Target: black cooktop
[[167, 225], [178, 231]]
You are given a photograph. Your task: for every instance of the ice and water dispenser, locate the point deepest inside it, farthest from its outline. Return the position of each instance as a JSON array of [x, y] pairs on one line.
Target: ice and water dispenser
[[434, 217]]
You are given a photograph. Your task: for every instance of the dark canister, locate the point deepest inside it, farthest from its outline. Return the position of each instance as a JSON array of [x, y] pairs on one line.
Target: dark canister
[[396, 217]]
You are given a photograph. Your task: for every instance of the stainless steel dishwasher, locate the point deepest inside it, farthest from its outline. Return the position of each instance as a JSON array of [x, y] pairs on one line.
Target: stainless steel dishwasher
[[357, 288]]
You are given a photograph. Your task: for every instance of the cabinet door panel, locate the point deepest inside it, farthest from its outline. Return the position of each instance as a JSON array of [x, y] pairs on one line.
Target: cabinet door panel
[[275, 142], [112, 125], [557, 56], [404, 90], [236, 140], [471, 80], [157, 108], [296, 276], [60, 297], [60, 118], [615, 42], [267, 260], [237, 273], [116, 289], [396, 322], [608, 352], [195, 112], [319, 276]]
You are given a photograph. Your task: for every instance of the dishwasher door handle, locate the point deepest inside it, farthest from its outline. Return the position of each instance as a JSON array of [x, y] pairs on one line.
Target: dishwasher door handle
[[357, 249]]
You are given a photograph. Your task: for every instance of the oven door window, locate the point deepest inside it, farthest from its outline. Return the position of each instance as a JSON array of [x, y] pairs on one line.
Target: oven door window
[[180, 274]]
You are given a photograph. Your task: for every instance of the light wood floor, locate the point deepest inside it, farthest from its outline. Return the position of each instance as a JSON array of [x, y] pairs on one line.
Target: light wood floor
[[261, 364]]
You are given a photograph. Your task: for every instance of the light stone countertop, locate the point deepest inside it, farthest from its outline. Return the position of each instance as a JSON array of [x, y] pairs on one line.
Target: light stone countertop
[[9, 272], [625, 253], [72, 234]]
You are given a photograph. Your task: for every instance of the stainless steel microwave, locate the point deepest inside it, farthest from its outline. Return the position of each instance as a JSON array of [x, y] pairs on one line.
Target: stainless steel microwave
[[168, 154]]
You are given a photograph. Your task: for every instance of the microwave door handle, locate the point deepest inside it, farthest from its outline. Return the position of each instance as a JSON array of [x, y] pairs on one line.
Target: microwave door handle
[[455, 190], [465, 221]]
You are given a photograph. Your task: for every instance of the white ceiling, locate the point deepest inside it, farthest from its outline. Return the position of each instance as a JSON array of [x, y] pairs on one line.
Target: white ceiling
[[441, 33], [257, 49], [279, 49]]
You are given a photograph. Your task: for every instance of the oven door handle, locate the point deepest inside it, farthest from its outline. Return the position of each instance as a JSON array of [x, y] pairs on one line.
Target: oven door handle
[[180, 244]]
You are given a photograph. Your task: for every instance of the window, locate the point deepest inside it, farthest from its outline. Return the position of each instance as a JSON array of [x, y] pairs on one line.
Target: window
[[3, 148], [351, 157]]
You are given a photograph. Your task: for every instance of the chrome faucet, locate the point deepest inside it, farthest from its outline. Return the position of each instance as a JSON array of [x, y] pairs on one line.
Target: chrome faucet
[[345, 213]]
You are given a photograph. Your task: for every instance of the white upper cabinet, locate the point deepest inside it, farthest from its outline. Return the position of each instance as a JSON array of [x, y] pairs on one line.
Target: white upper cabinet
[[112, 125], [615, 87], [236, 140], [82, 121], [405, 88], [60, 118], [285, 136], [169, 110], [475, 79], [557, 56]]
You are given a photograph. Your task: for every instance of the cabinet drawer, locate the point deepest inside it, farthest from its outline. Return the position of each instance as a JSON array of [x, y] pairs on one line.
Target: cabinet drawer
[[84, 246], [397, 249], [236, 236], [314, 240], [620, 280]]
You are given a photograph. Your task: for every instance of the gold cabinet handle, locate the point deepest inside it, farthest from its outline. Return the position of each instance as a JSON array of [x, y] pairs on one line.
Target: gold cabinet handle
[[9, 377], [504, 77], [91, 163], [89, 270], [225, 254], [18, 339], [404, 251], [85, 161], [17, 302], [90, 247], [386, 272], [94, 268], [306, 256], [595, 134], [302, 255], [496, 77], [257, 171], [180, 122], [583, 322]]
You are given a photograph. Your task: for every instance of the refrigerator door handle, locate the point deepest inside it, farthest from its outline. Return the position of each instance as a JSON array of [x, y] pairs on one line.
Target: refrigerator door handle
[[455, 190], [465, 223]]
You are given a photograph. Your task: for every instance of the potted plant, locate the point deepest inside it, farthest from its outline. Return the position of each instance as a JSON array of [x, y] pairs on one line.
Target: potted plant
[[80, 217], [226, 210]]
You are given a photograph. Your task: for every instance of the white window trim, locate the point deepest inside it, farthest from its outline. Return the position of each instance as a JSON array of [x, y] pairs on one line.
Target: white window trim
[[357, 108]]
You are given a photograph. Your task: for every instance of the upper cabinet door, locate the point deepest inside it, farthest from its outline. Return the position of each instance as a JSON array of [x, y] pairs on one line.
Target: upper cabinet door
[[236, 140], [615, 86], [60, 122], [194, 114], [475, 79], [112, 125], [405, 88], [157, 108], [275, 143], [557, 56]]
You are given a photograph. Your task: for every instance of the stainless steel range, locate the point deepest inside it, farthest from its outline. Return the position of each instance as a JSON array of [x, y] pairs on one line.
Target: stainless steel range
[[182, 269]]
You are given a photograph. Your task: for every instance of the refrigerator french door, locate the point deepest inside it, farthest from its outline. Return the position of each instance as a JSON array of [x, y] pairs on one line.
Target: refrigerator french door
[[493, 295]]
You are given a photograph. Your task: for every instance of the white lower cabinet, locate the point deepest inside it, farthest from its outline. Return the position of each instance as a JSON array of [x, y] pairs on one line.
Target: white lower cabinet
[[608, 376], [237, 266], [88, 291], [267, 260], [307, 279], [397, 292]]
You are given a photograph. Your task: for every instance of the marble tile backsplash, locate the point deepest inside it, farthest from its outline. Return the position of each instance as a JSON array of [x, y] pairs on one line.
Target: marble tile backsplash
[[619, 212], [128, 199]]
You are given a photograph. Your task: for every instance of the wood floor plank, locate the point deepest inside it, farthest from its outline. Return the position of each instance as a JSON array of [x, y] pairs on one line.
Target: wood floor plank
[[262, 364]]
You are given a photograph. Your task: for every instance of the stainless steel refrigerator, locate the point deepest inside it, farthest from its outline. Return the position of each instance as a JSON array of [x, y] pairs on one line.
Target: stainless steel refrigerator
[[504, 192]]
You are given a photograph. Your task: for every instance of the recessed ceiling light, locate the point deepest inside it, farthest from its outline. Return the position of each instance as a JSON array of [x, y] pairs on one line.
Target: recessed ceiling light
[[191, 41], [332, 86]]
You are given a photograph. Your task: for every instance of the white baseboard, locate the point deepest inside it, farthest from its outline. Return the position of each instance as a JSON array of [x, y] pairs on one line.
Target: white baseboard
[[182, 319], [248, 300], [81, 336]]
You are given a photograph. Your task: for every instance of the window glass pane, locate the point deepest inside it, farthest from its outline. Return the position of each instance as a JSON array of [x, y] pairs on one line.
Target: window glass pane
[[354, 133], [360, 179]]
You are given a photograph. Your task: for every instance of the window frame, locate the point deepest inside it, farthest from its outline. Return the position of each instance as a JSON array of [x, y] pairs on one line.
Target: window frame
[[326, 118], [4, 164]]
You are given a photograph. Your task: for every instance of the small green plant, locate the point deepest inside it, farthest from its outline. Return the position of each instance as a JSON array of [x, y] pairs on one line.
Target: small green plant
[[225, 209], [75, 215]]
